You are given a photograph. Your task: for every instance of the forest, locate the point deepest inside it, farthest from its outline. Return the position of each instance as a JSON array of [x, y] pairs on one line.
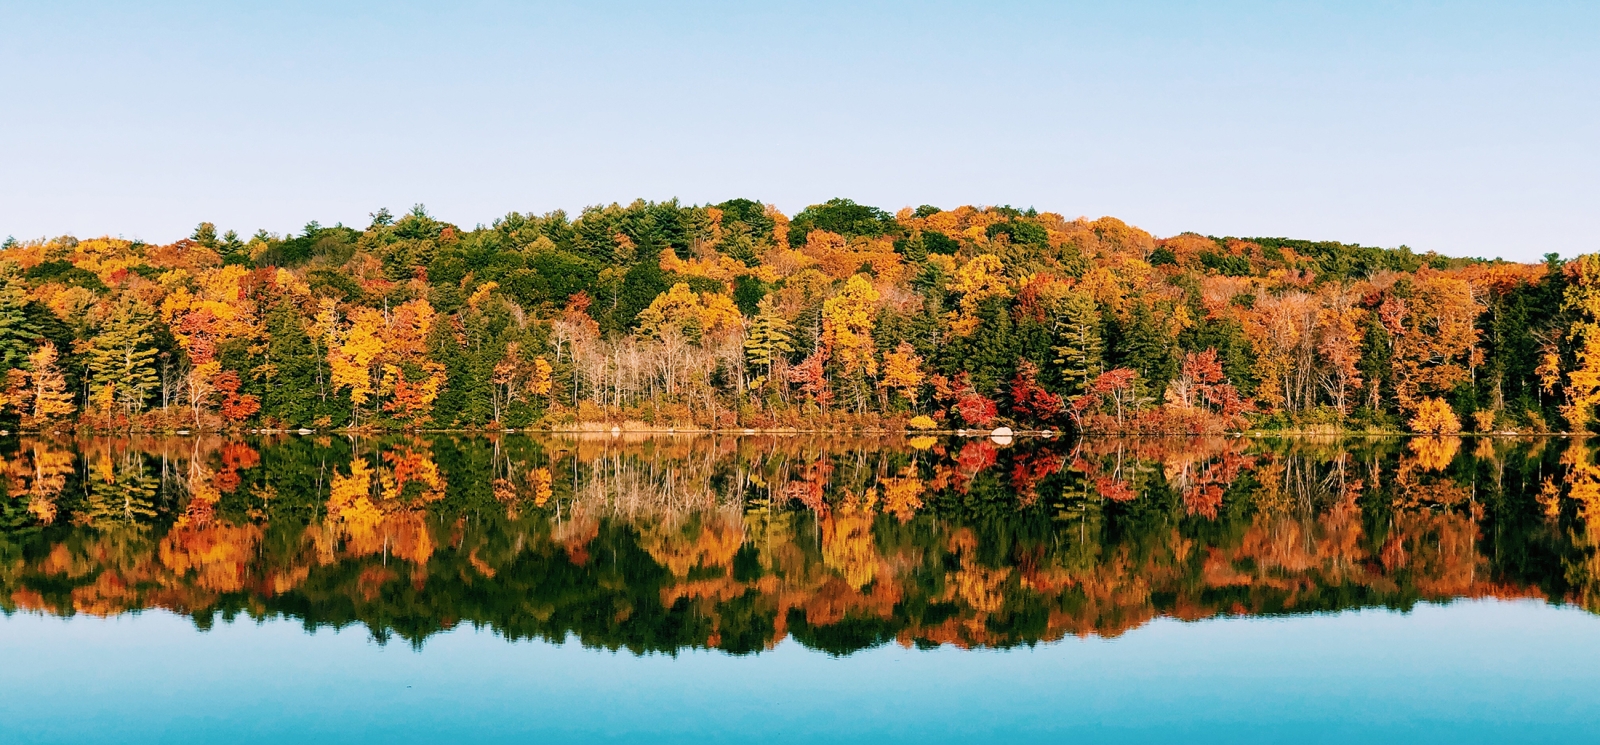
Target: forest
[[658, 315]]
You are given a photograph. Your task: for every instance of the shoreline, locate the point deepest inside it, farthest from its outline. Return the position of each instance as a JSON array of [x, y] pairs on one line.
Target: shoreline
[[617, 431]]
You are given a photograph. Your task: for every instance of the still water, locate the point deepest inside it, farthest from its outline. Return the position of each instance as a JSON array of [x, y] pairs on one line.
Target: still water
[[791, 589]]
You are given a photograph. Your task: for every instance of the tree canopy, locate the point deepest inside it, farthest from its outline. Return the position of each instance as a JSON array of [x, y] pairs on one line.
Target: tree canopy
[[736, 315]]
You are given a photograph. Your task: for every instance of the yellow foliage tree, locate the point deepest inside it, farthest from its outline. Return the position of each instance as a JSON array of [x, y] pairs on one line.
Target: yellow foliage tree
[[540, 383], [1437, 341], [371, 358], [847, 543], [51, 401], [354, 354], [219, 309], [923, 422], [1281, 332], [847, 327], [513, 377], [506, 381], [978, 280], [1434, 416], [695, 315], [902, 496], [1583, 380], [902, 371], [539, 479]]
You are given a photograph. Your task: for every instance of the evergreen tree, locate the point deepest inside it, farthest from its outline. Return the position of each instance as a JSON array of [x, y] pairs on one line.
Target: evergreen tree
[[747, 294], [989, 353], [485, 331], [1233, 349], [912, 248], [16, 341], [769, 340], [232, 249], [445, 348], [640, 285], [122, 371], [1377, 369], [1146, 349], [205, 234], [1079, 348], [289, 371]]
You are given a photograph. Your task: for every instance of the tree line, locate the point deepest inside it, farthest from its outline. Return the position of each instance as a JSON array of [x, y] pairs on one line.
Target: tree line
[[734, 315]]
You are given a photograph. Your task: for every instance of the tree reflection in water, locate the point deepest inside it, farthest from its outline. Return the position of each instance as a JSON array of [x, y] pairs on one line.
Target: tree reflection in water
[[734, 543]]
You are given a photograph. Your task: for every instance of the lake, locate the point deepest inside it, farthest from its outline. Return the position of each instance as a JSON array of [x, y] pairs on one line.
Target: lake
[[796, 589]]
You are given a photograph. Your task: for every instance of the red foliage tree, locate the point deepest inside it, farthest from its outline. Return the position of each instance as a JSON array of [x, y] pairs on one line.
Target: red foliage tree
[[974, 408], [1202, 389], [1115, 386], [234, 407], [813, 382], [1031, 401]]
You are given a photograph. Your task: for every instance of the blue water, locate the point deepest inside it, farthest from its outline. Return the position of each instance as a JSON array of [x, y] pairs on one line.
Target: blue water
[[1469, 671]]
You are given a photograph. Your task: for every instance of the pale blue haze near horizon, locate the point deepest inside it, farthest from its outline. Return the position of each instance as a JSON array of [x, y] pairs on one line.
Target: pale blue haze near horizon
[[1466, 128], [1468, 671]]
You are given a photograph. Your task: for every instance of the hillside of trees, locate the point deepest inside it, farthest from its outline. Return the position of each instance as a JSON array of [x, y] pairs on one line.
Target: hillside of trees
[[735, 315]]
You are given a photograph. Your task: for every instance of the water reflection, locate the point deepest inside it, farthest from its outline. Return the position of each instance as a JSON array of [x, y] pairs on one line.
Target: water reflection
[[734, 543]]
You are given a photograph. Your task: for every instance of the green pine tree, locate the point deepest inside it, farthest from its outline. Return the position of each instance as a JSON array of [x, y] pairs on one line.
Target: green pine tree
[[486, 332], [232, 249], [769, 340], [205, 234], [1079, 348], [122, 370], [16, 340], [446, 349], [990, 353], [1146, 349], [289, 371]]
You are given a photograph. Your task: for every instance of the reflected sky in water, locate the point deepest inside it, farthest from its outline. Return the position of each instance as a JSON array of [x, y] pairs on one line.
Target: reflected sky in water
[[1472, 671]]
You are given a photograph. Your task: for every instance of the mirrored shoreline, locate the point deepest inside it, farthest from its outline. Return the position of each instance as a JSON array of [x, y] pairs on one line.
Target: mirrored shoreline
[[734, 543]]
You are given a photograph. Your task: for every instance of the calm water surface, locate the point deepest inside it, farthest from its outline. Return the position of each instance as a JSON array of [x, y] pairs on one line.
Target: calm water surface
[[789, 590]]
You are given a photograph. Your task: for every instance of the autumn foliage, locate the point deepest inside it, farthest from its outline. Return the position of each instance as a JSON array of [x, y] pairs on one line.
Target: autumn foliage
[[734, 315]]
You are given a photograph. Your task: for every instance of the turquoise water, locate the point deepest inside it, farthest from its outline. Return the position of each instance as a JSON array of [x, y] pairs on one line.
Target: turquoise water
[[1469, 671]]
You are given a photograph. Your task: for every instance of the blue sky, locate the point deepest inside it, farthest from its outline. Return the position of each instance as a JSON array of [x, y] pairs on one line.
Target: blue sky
[[1466, 128]]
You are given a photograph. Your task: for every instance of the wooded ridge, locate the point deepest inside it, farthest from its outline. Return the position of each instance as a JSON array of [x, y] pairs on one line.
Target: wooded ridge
[[734, 315]]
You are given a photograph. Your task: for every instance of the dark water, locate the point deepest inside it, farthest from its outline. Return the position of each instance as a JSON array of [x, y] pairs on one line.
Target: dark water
[[796, 589]]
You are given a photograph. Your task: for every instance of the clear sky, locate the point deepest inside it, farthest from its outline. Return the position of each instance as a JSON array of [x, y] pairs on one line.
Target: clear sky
[[1461, 127]]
